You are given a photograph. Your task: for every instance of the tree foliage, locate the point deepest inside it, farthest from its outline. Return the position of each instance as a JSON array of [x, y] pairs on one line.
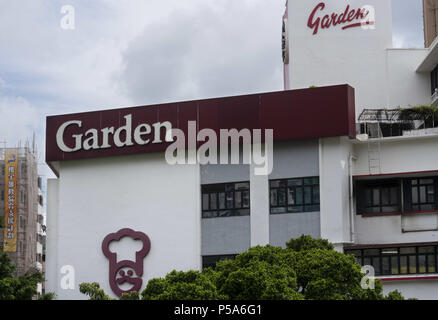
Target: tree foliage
[[17, 288], [307, 269], [427, 113], [94, 291], [259, 273], [179, 285], [306, 242]]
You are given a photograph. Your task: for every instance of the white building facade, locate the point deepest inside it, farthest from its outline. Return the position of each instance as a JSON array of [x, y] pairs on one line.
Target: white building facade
[[393, 168], [365, 180]]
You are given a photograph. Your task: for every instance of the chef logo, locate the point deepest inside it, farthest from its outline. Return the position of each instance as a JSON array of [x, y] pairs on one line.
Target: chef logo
[[126, 271]]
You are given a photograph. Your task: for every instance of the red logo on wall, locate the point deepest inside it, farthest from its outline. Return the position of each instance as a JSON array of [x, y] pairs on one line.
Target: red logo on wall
[[350, 18], [126, 271]]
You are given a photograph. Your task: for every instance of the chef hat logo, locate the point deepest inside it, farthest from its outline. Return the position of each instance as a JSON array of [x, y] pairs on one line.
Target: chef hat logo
[[126, 271]]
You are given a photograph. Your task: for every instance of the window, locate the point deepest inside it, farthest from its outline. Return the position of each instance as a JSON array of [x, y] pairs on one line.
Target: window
[[210, 261], [379, 197], [422, 194], [294, 195], [398, 260], [385, 196], [434, 79], [225, 200]]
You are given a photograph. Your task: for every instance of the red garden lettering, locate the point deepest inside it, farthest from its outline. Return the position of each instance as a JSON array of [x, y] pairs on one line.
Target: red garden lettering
[[349, 18]]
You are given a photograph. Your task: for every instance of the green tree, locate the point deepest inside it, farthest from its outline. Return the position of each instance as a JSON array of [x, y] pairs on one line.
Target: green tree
[[259, 273], [94, 291], [330, 275], [306, 269], [16, 288], [179, 285], [306, 242]]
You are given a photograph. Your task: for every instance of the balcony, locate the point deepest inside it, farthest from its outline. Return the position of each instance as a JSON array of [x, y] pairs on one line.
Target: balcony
[[413, 121]]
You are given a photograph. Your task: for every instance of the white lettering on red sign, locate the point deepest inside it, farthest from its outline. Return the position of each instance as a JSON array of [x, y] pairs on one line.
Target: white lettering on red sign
[[123, 136]]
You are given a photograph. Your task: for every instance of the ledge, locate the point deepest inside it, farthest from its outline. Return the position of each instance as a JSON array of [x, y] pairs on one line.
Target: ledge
[[412, 277], [366, 215]]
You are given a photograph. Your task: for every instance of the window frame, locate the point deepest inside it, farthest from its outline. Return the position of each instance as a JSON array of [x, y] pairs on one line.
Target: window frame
[[219, 257], [399, 256], [362, 187], [216, 189], [306, 207], [408, 196]]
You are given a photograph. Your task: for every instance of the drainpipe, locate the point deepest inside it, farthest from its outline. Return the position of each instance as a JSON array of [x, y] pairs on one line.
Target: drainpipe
[[352, 211]]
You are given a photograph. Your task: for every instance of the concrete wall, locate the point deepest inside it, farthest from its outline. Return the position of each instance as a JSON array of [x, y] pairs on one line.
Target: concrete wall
[[99, 197], [223, 173], [383, 77], [334, 56], [335, 187], [283, 227], [52, 269], [399, 155], [388, 229], [419, 289], [229, 235], [294, 159], [406, 86], [235, 234]]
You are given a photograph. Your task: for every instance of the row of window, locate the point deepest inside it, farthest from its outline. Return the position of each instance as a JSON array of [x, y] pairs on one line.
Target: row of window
[[286, 196], [385, 261], [302, 195], [398, 260], [397, 195]]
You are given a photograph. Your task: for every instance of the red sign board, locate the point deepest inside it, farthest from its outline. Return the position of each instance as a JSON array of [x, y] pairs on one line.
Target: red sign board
[[295, 114]]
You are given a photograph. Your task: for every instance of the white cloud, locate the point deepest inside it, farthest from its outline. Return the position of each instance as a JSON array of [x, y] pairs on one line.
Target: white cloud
[[213, 50], [18, 120]]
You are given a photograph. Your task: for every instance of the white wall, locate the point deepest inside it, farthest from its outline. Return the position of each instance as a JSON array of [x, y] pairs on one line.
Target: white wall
[[419, 289], [334, 190], [400, 155], [388, 229], [382, 77], [101, 196], [334, 56], [259, 202], [52, 270], [406, 86], [225, 235]]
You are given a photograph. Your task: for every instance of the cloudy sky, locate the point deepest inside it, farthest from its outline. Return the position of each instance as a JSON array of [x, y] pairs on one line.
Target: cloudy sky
[[139, 52]]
